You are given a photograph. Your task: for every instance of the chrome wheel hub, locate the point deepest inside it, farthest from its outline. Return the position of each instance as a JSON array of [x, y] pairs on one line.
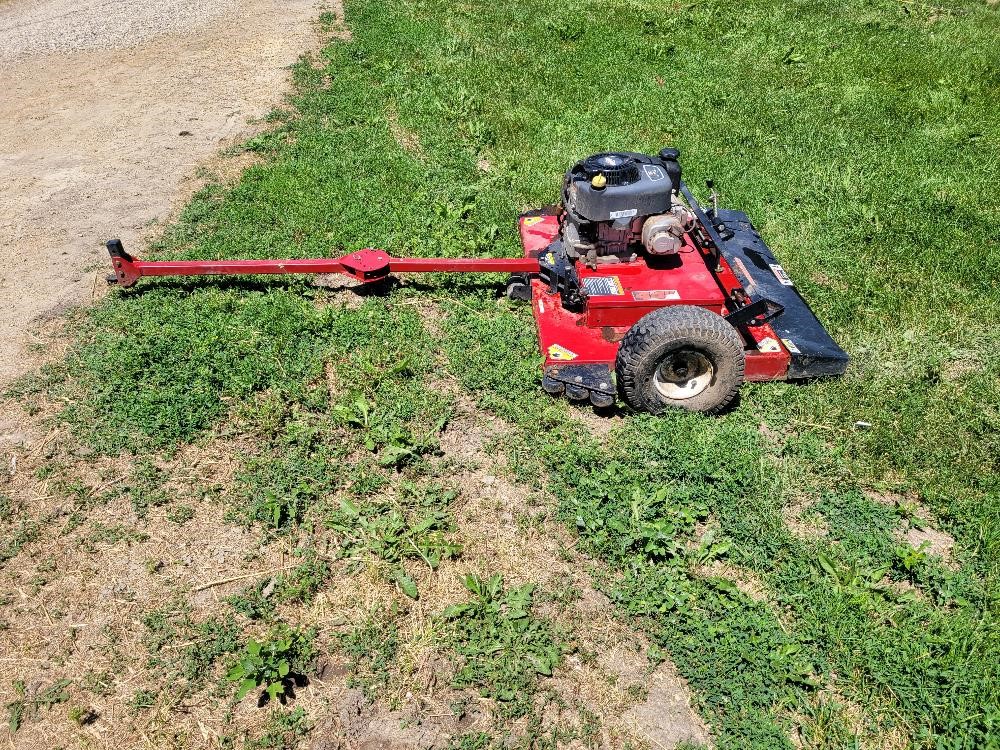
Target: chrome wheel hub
[[683, 374]]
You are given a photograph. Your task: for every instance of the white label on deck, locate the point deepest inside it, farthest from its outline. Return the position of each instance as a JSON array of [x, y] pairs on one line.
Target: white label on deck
[[781, 275]]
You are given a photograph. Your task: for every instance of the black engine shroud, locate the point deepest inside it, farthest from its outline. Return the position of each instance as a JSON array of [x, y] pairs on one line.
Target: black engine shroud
[[628, 185]]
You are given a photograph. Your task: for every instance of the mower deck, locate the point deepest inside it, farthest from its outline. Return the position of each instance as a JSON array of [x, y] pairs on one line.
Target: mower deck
[[580, 348]]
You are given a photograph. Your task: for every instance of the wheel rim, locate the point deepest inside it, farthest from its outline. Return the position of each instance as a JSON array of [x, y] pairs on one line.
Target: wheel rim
[[683, 374]]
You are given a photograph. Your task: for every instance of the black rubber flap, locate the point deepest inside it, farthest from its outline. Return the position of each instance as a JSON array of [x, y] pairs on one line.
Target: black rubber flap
[[814, 353], [592, 377]]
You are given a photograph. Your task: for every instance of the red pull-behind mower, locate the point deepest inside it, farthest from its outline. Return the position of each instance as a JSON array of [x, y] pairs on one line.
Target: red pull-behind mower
[[634, 287]]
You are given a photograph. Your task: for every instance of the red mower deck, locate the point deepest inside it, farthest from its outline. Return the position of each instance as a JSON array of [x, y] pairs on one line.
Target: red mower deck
[[621, 294]]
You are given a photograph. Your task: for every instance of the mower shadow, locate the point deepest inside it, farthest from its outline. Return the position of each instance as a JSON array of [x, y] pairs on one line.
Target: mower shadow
[[732, 405], [620, 410], [265, 284], [423, 286], [224, 283], [384, 287], [604, 412]]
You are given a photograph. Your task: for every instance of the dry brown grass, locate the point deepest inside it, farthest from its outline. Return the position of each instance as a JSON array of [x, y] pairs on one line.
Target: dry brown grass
[[802, 524], [407, 139], [79, 594], [812, 732], [745, 580]]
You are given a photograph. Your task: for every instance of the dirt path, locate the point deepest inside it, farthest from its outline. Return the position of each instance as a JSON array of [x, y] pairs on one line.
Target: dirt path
[[107, 108]]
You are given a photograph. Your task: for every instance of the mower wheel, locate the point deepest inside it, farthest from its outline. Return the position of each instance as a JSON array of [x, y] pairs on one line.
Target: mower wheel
[[518, 287], [680, 356]]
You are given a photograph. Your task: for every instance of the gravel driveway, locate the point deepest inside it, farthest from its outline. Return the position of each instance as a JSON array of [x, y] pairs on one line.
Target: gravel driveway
[[108, 108]]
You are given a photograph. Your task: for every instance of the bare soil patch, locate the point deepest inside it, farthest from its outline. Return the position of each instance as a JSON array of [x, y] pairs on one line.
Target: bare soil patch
[[666, 719], [802, 523], [934, 541], [919, 530]]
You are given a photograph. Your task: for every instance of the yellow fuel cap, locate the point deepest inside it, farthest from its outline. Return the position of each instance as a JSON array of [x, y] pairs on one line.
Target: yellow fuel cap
[[599, 181]]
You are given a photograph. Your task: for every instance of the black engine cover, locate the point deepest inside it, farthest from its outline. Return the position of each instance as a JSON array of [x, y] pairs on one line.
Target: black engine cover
[[636, 185]]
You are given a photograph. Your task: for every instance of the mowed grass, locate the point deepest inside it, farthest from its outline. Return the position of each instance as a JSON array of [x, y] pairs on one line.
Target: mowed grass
[[864, 141]]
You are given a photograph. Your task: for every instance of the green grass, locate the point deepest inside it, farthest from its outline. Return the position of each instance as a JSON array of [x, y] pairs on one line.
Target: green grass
[[415, 527], [184, 652], [276, 663], [502, 646], [24, 706], [861, 137]]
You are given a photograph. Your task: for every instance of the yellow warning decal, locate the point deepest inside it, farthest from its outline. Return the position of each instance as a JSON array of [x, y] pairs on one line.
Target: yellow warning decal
[[561, 353], [530, 221]]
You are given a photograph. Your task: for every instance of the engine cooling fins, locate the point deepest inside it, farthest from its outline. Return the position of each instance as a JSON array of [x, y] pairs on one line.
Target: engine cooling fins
[[618, 169]]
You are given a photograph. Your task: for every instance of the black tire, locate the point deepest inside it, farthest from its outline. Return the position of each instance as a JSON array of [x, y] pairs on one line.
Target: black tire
[[518, 287], [684, 357]]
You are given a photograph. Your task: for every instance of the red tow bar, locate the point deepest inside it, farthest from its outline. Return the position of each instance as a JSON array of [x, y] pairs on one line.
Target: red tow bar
[[368, 266]]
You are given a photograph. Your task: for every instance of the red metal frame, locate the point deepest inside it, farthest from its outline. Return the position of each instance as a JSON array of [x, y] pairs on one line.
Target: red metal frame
[[592, 337], [366, 265]]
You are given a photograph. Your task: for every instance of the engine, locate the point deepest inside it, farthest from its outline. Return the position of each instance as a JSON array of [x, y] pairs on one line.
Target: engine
[[618, 204]]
